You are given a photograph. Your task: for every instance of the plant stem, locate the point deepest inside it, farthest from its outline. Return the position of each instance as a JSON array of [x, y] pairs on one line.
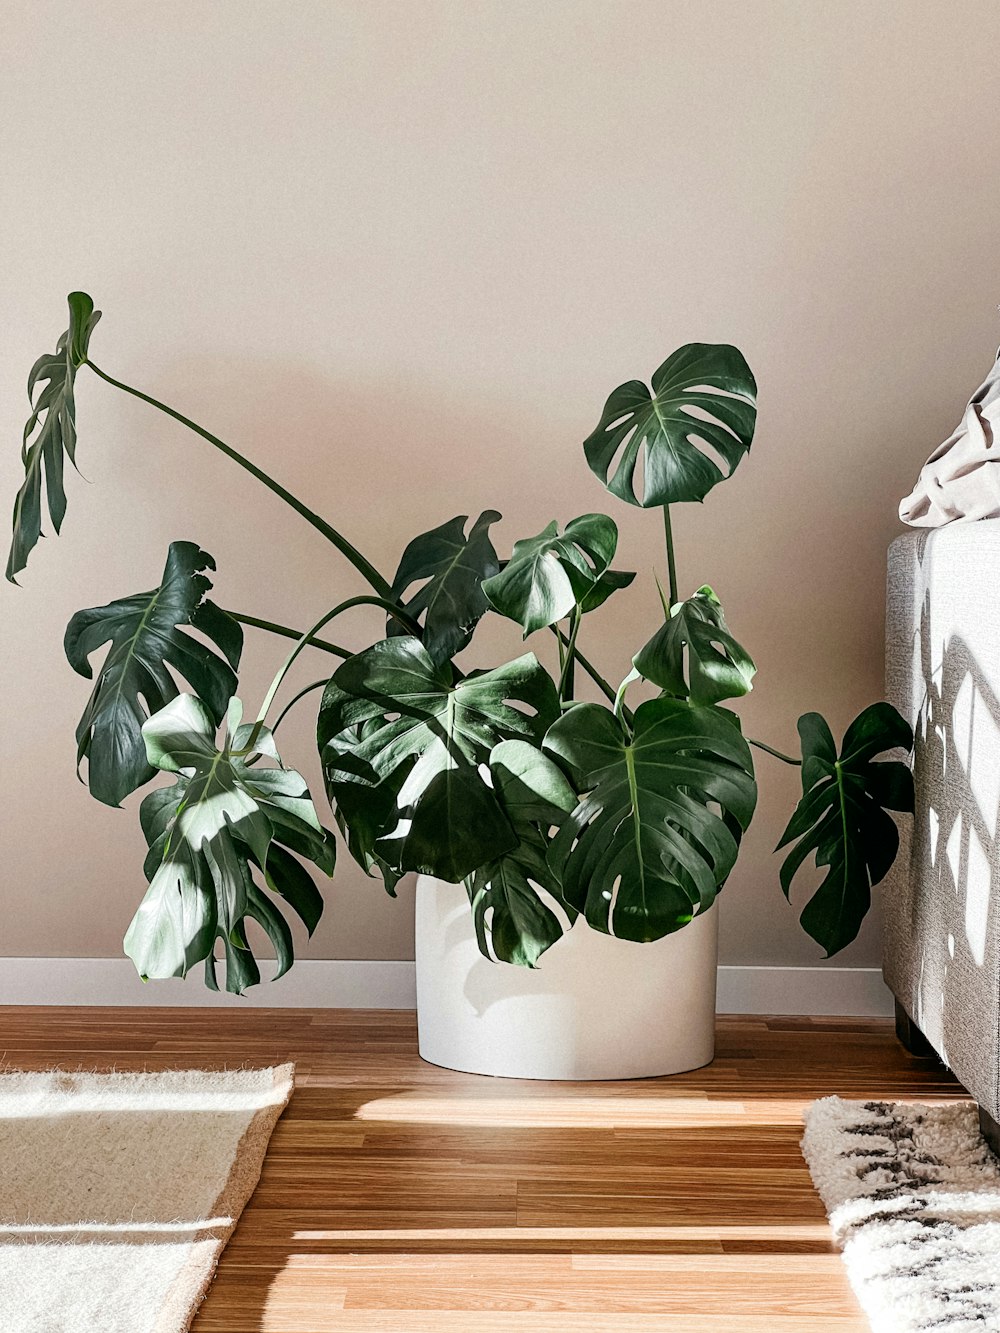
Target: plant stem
[[308, 689], [287, 633], [671, 567], [566, 678], [590, 669], [363, 566], [306, 639], [769, 749]]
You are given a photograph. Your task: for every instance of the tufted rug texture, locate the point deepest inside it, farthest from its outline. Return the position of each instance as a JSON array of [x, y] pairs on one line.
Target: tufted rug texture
[[913, 1196], [118, 1192]]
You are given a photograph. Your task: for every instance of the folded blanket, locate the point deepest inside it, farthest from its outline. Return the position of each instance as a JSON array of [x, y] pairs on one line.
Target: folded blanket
[[961, 479]]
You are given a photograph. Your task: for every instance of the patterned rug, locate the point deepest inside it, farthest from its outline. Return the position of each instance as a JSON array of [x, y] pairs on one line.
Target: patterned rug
[[913, 1196], [118, 1192]]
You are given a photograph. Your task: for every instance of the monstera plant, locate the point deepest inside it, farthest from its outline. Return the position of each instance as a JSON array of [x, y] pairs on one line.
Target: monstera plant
[[545, 807]]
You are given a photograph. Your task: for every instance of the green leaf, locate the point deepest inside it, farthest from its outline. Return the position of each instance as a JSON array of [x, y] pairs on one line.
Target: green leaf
[[656, 832], [206, 834], [841, 818], [508, 908], [135, 679], [396, 731], [694, 656], [703, 396], [452, 601], [53, 417], [548, 575]]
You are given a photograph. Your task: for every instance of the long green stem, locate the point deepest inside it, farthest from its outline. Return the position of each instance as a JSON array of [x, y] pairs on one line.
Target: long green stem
[[307, 689], [590, 669], [566, 678], [769, 749], [360, 563], [306, 638], [671, 566], [288, 633]]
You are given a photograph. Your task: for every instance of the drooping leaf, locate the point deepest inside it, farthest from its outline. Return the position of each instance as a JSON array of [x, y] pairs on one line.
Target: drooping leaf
[[509, 910], [206, 834], [841, 818], [693, 655], [135, 680], [391, 708], [548, 575], [52, 423], [655, 833], [452, 601], [704, 395]]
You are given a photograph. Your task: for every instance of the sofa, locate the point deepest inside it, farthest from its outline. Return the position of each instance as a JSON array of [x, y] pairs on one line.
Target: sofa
[[941, 901]]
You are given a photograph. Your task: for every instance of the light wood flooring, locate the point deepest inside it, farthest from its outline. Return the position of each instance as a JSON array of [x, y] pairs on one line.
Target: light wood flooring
[[400, 1197]]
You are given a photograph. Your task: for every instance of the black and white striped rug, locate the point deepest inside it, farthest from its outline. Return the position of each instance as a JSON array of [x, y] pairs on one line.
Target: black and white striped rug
[[913, 1196]]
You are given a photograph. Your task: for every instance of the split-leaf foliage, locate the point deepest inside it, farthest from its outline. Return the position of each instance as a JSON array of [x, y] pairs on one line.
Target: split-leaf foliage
[[548, 807]]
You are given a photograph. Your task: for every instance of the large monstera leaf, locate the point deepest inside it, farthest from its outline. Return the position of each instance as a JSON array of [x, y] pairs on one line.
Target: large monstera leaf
[[656, 833], [703, 395], [454, 565], [549, 575], [510, 896], [221, 821], [693, 655], [52, 425], [401, 746], [842, 820], [135, 680]]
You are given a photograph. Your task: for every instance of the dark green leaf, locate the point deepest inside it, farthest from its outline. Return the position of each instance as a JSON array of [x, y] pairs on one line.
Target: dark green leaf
[[393, 708], [53, 417], [509, 907], [221, 818], [610, 581], [703, 396], [135, 679], [452, 601], [655, 834], [694, 656], [841, 818], [548, 575]]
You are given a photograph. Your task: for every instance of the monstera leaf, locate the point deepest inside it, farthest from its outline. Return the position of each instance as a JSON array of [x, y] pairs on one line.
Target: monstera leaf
[[509, 911], [656, 832], [53, 417], [452, 600], [694, 656], [207, 833], [703, 395], [548, 575], [146, 640], [842, 819], [392, 708]]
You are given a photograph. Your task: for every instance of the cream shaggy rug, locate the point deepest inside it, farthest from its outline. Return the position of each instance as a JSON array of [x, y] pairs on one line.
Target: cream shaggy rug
[[913, 1195], [118, 1192]]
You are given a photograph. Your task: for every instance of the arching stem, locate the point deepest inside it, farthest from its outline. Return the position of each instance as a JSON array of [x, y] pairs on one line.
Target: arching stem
[[360, 563], [769, 749], [305, 639]]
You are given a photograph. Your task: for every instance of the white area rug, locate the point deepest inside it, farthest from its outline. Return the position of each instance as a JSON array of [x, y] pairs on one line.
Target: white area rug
[[913, 1195], [118, 1192]]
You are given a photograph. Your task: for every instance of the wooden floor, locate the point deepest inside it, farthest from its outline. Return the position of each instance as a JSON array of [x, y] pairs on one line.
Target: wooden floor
[[397, 1196]]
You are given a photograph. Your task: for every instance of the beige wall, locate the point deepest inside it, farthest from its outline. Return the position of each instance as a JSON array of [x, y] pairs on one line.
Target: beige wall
[[399, 253]]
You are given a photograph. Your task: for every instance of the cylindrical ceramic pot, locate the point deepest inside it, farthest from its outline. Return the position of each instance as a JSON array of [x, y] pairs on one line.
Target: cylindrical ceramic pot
[[594, 1008]]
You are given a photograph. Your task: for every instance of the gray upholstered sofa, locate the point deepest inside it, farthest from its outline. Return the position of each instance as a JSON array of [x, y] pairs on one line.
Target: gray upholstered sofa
[[942, 900]]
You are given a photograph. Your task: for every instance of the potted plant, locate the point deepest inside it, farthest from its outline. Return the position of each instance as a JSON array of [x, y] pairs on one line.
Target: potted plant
[[553, 835]]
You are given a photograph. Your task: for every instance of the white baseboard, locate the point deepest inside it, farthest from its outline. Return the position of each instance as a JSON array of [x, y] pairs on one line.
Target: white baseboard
[[342, 984]]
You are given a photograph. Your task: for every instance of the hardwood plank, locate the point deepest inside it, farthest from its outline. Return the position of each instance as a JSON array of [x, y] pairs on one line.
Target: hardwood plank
[[398, 1196]]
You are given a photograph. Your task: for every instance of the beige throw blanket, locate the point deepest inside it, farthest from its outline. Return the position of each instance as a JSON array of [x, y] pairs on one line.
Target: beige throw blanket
[[960, 481]]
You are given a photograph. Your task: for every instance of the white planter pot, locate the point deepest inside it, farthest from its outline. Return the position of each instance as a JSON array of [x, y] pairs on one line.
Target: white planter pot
[[594, 1008]]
